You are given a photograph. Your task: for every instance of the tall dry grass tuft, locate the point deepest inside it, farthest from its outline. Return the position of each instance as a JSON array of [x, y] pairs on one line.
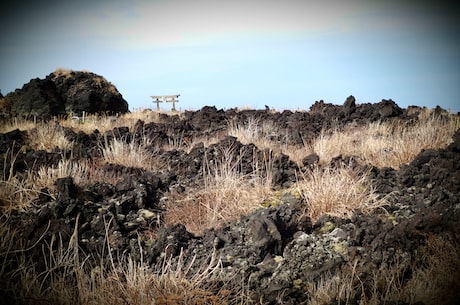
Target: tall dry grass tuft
[[255, 131], [16, 123], [48, 137], [84, 172], [16, 192], [387, 144], [346, 287], [90, 123], [51, 280], [228, 194], [134, 153], [337, 192], [42, 136]]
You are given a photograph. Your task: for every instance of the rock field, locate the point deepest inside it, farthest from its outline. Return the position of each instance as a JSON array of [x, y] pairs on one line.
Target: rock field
[[276, 251]]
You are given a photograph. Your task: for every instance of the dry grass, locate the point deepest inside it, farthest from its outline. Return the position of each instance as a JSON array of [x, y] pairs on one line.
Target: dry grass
[[60, 71], [43, 136], [16, 192], [255, 131], [346, 287], [437, 273], [16, 123], [382, 144], [228, 194], [48, 137], [134, 153], [83, 172], [387, 144], [104, 123], [90, 123], [337, 192]]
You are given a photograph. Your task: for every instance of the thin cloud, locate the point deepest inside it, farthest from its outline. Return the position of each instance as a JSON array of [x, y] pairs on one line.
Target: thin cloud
[[188, 23]]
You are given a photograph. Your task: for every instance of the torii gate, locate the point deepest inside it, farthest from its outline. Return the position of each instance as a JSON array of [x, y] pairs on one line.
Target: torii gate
[[166, 98]]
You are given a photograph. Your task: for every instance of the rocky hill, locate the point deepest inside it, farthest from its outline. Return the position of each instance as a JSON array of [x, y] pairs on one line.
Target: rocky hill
[[63, 92]]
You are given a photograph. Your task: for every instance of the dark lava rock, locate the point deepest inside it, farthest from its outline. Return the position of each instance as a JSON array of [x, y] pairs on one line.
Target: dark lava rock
[[63, 92], [12, 141], [207, 119], [387, 109], [97, 212], [311, 160], [349, 105], [37, 98]]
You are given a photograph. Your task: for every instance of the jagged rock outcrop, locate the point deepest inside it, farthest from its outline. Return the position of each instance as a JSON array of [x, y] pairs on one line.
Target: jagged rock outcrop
[[63, 92]]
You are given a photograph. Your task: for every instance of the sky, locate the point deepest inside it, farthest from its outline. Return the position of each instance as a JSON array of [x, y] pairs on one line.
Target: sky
[[286, 54]]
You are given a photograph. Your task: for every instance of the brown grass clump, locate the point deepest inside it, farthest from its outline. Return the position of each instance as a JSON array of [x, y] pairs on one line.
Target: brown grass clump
[[387, 144], [84, 173], [337, 192], [227, 195], [48, 137], [16, 123], [18, 191], [130, 154], [256, 132], [104, 123], [60, 71]]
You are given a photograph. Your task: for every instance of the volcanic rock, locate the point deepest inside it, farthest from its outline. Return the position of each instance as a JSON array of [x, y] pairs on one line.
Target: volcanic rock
[[63, 92]]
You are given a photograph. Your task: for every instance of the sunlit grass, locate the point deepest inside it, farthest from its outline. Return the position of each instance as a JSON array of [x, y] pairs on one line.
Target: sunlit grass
[[337, 192], [227, 195], [387, 144]]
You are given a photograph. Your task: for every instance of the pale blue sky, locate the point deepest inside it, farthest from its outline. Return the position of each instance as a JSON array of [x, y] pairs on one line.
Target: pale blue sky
[[286, 54]]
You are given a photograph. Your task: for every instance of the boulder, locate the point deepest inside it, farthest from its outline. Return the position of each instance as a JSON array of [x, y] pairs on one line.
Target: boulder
[[63, 92], [349, 105], [86, 91], [38, 98], [387, 109]]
